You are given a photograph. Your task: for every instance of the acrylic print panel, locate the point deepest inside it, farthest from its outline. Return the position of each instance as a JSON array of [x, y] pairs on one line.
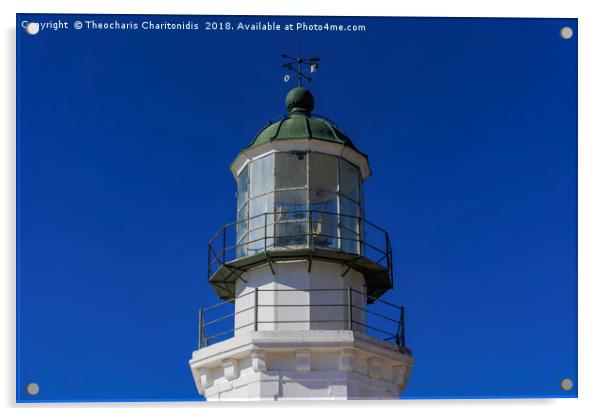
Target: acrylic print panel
[[128, 125]]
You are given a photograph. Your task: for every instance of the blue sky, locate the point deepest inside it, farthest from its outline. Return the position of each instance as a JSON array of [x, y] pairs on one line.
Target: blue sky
[[124, 142]]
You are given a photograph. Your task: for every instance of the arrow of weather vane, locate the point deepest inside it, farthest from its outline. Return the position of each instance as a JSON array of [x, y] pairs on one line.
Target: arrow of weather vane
[[301, 68]]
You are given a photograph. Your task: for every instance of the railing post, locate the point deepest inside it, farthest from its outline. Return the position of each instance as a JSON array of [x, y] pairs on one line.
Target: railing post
[[224, 247], [403, 327], [389, 259], [311, 231], [256, 308], [398, 334], [362, 234], [201, 328], [350, 308], [209, 261], [265, 232]]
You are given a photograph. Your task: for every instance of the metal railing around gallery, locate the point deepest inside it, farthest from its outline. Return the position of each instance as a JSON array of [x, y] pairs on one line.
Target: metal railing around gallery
[[282, 232], [383, 320]]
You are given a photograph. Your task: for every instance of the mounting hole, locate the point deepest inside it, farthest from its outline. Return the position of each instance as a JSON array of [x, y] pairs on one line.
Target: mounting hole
[[566, 32], [32, 28], [33, 389], [566, 384]]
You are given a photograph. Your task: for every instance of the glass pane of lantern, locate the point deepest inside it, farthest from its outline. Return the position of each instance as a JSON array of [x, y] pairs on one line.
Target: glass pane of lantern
[[262, 175], [325, 229], [350, 180], [325, 225], [323, 172], [291, 234], [242, 226], [350, 211], [323, 201], [350, 225], [243, 187], [260, 228], [291, 205], [291, 170], [350, 241], [291, 218]]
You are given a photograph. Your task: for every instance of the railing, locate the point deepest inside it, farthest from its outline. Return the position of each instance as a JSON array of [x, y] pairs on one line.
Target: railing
[[385, 321], [283, 231]]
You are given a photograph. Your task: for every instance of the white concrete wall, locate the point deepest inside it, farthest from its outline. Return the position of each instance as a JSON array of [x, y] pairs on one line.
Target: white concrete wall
[[306, 360], [297, 286], [310, 364]]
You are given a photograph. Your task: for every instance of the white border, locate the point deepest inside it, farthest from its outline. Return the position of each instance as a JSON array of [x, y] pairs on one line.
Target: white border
[[590, 198]]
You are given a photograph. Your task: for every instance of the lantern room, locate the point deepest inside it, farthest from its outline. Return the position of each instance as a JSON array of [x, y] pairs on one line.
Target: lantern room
[[300, 196], [297, 189]]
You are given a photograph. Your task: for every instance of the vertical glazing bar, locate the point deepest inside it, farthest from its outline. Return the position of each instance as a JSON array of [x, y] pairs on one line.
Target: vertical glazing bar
[[308, 179], [339, 207], [265, 232], [256, 308], [350, 309], [361, 231]]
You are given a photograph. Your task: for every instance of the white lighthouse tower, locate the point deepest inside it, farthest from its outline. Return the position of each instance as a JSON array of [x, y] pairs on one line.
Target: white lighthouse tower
[[300, 274]]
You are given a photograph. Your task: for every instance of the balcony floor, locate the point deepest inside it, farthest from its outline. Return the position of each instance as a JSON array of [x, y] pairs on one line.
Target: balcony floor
[[378, 279]]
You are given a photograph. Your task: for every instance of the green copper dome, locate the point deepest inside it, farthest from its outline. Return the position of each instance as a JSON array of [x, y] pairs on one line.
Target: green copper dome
[[299, 123]]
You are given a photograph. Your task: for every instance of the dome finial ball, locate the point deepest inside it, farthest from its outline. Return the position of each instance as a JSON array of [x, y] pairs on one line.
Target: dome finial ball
[[299, 99]]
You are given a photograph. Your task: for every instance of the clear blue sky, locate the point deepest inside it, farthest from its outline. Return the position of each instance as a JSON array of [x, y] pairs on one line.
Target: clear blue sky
[[124, 143]]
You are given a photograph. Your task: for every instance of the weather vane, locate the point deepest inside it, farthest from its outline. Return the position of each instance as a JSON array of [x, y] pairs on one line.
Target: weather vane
[[300, 67]]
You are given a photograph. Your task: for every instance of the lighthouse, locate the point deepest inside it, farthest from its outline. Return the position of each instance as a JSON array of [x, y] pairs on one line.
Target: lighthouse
[[300, 275]]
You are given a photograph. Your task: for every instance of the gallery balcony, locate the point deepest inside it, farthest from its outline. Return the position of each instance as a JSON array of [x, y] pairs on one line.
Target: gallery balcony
[[310, 235]]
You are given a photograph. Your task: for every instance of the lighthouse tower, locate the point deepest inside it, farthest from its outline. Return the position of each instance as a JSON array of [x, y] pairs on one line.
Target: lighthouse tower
[[300, 274]]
